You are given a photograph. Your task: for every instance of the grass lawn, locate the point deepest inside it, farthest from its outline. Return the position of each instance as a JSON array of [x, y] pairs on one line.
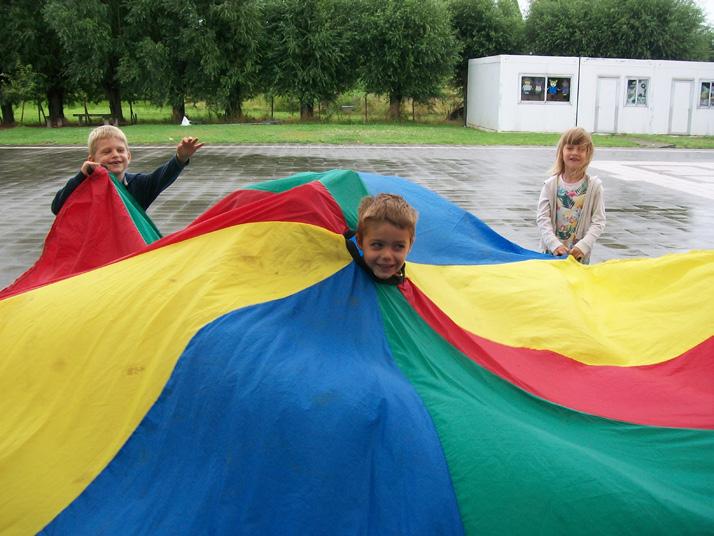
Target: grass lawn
[[330, 133], [426, 127]]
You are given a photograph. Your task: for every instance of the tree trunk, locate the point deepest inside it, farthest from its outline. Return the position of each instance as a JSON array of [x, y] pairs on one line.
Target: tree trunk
[[41, 117], [55, 104], [395, 107], [234, 108], [8, 114], [307, 111], [114, 97], [234, 111], [178, 111]]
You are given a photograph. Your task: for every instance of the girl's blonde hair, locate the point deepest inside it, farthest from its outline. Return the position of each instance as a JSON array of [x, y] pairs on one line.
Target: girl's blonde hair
[[390, 208], [104, 132], [573, 136]]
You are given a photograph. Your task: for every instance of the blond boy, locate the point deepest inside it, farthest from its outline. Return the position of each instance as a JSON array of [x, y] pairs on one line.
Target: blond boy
[[385, 233], [108, 147]]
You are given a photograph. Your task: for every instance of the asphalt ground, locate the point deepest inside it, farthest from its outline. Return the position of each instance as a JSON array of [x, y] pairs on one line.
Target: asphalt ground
[[658, 201]]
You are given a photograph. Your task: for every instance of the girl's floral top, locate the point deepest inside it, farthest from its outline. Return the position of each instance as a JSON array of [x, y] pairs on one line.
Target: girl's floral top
[[569, 202]]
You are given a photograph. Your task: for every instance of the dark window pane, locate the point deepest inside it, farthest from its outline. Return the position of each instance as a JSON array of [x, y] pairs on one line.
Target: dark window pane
[[642, 91], [558, 90], [705, 94], [532, 88], [631, 92]]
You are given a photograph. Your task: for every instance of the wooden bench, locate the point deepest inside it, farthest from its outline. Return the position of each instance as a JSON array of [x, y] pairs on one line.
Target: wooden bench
[[86, 119]]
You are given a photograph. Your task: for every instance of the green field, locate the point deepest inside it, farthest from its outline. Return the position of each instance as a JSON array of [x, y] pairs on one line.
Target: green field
[[331, 133], [335, 124]]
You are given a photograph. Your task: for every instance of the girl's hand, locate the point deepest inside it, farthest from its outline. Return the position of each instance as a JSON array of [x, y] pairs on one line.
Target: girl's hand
[[560, 250], [575, 252]]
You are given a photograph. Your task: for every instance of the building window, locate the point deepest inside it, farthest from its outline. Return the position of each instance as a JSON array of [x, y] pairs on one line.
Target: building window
[[545, 89], [558, 90], [533, 88], [706, 99], [637, 91]]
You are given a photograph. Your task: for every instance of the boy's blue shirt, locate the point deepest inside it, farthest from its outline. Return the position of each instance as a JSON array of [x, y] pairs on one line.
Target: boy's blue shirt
[[143, 187]]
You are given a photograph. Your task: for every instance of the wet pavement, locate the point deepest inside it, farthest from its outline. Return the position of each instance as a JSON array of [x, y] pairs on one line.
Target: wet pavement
[[658, 201]]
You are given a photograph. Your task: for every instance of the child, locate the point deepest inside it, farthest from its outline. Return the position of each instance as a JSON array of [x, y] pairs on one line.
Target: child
[[571, 209], [108, 147], [385, 233]]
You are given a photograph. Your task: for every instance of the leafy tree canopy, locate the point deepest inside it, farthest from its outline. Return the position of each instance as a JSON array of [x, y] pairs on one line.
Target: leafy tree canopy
[[235, 37], [91, 37], [640, 29], [27, 41], [484, 28], [170, 55], [409, 49], [311, 51]]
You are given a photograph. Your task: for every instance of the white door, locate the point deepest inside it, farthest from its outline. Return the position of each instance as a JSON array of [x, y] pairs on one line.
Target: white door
[[606, 105], [680, 107]]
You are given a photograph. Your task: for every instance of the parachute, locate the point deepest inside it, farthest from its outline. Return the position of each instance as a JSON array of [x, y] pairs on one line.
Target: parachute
[[245, 375]]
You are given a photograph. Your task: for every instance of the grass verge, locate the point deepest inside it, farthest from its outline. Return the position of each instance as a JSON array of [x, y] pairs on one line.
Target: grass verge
[[333, 133]]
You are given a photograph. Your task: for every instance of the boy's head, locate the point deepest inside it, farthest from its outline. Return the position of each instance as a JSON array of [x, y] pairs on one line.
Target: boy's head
[[108, 146], [574, 137], [385, 231]]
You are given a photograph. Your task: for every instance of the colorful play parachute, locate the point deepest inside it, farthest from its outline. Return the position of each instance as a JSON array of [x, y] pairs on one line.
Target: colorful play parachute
[[246, 376]]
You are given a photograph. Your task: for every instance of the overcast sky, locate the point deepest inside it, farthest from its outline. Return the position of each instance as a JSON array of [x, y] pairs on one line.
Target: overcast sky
[[707, 6]]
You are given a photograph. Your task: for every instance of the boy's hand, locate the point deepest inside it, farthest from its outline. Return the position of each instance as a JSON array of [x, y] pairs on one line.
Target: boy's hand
[[560, 250], [88, 168], [186, 148]]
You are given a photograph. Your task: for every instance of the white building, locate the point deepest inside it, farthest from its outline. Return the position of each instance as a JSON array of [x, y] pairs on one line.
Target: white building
[[552, 94]]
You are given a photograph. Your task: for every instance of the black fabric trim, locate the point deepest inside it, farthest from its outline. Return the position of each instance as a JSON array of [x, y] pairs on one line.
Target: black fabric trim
[[359, 259]]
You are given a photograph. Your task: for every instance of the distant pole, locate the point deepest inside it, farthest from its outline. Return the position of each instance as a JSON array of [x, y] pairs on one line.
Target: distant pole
[[365, 107]]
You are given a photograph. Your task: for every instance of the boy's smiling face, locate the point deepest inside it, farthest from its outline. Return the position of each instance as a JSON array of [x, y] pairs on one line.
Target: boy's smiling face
[[113, 154], [385, 247]]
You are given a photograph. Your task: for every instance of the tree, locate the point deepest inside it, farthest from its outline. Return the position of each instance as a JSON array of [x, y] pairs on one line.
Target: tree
[[28, 42], [166, 59], [8, 59], [311, 52], [91, 36], [484, 28], [408, 50], [558, 28], [235, 35], [21, 83], [710, 43], [640, 29]]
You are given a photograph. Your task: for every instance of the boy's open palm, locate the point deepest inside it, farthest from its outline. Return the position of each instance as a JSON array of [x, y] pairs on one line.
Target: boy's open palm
[[186, 148]]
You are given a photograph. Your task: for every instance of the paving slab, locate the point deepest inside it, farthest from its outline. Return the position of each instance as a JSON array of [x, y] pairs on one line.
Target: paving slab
[[658, 201]]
